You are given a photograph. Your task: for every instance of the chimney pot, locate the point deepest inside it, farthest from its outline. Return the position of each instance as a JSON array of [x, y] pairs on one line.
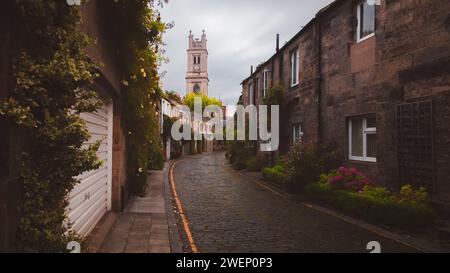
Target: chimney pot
[[251, 70], [278, 42]]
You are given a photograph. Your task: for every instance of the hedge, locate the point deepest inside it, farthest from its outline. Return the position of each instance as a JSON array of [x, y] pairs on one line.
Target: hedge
[[276, 174], [384, 211]]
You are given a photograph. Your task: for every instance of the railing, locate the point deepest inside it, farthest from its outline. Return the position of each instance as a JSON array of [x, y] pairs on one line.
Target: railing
[[10, 196]]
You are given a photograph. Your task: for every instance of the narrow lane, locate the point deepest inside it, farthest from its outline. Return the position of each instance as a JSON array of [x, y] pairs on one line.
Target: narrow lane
[[228, 213]]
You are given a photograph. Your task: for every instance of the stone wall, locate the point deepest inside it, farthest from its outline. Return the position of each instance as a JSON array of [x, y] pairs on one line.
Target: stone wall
[[408, 59]]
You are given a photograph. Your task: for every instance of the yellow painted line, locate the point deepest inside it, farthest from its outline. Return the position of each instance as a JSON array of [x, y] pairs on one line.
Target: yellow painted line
[[180, 210]]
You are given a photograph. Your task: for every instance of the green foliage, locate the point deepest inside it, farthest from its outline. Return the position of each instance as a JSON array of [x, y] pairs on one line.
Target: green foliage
[[376, 205], [173, 96], [167, 126], [275, 95], [306, 161], [140, 30], [409, 195], [238, 152], [53, 75], [206, 101], [255, 164], [276, 174], [408, 209]]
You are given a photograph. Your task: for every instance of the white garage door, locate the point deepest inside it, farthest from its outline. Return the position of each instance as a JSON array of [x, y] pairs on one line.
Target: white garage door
[[91, 198]]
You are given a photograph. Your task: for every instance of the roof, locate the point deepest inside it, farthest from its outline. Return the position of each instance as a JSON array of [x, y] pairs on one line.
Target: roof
[[296, 36]]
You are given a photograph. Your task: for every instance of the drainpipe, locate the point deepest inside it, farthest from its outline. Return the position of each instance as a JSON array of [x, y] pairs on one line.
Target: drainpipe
[[320, 81]]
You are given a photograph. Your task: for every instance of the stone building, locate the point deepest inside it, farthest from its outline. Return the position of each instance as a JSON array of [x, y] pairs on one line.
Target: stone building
[[374, 79], [197, 79]]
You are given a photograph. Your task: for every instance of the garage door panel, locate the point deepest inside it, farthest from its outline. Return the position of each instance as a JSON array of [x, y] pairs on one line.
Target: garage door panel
[[94, 139], [86, 175], [89, 199], [95, 119], [89, 224], [103, 148], [87, 184], [84, 206], [87, 221], [95, 129]]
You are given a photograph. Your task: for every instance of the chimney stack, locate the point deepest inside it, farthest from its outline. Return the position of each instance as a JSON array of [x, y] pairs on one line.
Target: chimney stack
[[251, 70], [278, 42]]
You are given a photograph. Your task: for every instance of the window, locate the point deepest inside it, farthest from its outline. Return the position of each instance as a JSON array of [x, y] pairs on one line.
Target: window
[[266, 83], [197, 59], [251, 94], [297, 133], [295, 61], [366, 19], [363, 139]]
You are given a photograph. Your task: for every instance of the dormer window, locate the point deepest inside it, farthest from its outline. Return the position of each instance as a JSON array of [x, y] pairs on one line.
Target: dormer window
[[366, 12]]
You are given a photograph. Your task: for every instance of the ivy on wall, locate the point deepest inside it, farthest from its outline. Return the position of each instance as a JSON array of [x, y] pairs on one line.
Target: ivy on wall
[[140, 30], [53, 75]]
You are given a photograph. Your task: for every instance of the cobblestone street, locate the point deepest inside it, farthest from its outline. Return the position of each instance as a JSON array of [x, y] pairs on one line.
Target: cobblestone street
[[229, 213]]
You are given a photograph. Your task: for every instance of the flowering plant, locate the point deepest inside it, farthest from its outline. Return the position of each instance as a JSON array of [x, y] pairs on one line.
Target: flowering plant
[[348, 179]]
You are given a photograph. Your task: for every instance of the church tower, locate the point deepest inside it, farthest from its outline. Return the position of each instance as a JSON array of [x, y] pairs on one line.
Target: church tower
[[197, 79]]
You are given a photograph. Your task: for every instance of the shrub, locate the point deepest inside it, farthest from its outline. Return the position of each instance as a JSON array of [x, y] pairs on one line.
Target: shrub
[[276, 174], [306, 161], [408, 209], [255, 164], [349, 179]]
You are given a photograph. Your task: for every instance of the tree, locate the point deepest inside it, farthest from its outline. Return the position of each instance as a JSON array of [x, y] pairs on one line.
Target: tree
[[189, 100], [173, 96]]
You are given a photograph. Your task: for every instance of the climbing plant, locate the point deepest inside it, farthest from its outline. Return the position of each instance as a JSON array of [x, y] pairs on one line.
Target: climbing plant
[[140, 30], [53, 75]]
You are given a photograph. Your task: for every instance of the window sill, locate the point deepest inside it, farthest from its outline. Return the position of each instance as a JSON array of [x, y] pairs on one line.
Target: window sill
[[294, 85], [363, 159], [360, 40]]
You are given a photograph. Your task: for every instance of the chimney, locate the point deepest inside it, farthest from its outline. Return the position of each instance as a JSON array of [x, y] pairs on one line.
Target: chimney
[[278, 42], [251, 70]]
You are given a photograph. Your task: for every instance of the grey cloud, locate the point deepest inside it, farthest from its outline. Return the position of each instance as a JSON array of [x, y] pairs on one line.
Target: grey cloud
[[240, 33]]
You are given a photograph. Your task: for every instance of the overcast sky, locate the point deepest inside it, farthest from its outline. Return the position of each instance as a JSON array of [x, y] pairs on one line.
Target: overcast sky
[[240, 33]]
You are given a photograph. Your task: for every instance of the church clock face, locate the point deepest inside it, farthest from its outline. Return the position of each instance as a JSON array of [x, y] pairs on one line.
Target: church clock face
[[196, 88], [196, 68]]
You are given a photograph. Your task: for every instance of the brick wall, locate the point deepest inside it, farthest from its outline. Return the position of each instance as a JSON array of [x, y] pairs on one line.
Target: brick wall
[[408, 59]]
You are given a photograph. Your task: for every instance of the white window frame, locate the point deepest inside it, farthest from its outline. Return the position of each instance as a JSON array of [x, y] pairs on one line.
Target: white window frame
[[358, 29], [295, 127], [295, 64], [366, 131], [265, 82]]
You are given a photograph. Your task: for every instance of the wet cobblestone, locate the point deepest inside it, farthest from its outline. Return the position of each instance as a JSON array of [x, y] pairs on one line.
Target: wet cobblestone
[[228, 213]]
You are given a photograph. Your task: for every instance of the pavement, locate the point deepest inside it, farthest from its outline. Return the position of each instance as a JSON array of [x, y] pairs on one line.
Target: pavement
[[143, 227], [228, 213]]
